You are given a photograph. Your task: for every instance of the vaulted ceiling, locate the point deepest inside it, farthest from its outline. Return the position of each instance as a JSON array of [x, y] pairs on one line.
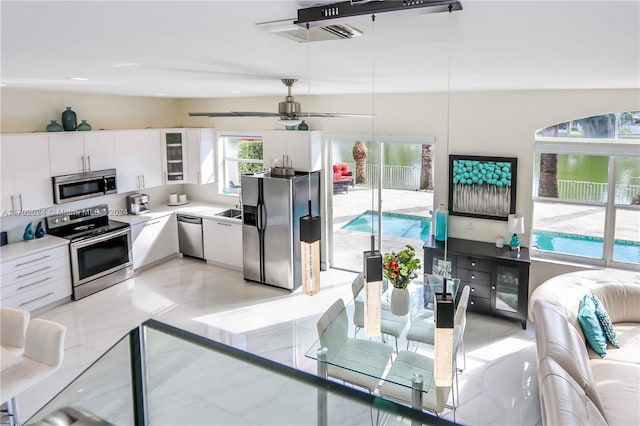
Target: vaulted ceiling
[[215, 49]]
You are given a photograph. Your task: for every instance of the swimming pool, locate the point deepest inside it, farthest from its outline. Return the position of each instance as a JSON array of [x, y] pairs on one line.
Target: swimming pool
[[419, 228], [581, 245], [393, 224]]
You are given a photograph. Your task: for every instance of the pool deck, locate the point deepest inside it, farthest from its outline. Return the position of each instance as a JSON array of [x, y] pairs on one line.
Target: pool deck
[[349, 245]]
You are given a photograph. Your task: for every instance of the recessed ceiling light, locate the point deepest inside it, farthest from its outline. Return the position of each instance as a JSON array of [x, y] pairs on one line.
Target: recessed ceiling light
[[2, 84], [79, 78], [161, 94], [235, 92]]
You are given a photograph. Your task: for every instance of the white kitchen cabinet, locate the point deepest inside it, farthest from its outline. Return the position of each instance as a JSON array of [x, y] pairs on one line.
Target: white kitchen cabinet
[[304, 148], [26, 179], [36, 279], [154, 240], [139, 160], [76, 152], [201, 151], [223, 242], [174, 155]]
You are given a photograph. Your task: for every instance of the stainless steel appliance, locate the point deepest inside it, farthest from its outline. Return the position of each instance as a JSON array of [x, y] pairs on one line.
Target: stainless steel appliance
[[190, 236], [271, 211], [100, 248], [137, 203], [79, 186]]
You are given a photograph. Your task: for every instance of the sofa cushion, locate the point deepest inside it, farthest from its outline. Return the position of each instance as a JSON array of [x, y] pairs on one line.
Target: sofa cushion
[[605, 322], [619, 387], [591, 327], [629, 338]]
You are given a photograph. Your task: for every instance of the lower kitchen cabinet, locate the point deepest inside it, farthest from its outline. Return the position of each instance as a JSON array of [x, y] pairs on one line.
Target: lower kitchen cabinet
[[223, 242], [154, 240], [37, 279], [498, 277]]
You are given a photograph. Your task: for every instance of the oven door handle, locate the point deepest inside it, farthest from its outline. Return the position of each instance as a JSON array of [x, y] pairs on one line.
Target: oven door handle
[[91, 241]]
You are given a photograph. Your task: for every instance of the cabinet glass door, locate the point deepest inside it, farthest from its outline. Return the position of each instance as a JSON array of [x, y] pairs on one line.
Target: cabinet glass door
[[175, 161], [506, 288]]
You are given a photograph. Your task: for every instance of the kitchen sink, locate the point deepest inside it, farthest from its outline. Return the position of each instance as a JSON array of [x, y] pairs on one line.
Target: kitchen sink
[[232, 213]]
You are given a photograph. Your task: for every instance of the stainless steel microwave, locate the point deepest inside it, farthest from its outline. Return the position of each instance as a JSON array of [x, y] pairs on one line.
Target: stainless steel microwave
[[79, 186]]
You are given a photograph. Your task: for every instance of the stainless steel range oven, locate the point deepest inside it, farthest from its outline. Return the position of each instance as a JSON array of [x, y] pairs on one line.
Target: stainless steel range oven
[[100, 248]]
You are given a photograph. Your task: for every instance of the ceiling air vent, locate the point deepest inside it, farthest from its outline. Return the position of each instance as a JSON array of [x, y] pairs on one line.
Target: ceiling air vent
[[288, 29]]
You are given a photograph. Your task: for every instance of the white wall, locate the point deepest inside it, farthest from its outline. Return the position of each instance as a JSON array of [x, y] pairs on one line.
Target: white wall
[[482, 123]]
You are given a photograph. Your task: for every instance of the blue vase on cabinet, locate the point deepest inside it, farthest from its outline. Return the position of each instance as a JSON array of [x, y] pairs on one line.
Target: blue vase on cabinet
[[69, 120], [54, 126], [28, 233], [39, 231], [442, 215], [84, 126]]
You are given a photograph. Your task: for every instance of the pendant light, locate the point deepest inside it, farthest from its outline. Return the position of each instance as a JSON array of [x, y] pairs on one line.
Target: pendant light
[[310, 226], [444, 302], [372, 259]]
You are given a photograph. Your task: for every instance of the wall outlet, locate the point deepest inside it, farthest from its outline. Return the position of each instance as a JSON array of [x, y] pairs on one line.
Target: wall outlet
[[469, 224]]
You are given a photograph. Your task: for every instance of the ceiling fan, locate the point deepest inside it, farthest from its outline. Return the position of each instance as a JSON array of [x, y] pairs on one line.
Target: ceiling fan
[[288, 111]]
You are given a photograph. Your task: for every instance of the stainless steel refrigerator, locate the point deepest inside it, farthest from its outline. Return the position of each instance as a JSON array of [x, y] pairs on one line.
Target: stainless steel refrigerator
[[271, 211]]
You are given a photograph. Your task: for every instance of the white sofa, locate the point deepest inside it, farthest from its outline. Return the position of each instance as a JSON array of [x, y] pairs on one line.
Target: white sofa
[[577, 387]]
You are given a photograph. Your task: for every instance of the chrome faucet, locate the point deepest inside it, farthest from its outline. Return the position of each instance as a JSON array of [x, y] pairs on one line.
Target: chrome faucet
[[239, 206]]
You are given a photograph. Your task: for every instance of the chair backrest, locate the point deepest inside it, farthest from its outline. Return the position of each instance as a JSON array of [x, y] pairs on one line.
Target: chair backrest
[[333, 327], [45, 342], [460, 319], [357, 284], [13, 327]]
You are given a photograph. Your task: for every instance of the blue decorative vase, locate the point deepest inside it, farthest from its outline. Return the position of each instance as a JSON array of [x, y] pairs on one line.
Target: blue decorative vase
[[303, 126], [442, 215], [54, 126], [39, 230], [69, 120], [28, 233], [84, 126]]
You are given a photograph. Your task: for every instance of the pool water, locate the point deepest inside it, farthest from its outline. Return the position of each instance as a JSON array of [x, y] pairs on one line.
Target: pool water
[[393, 224], [419, 228], [581, 245]]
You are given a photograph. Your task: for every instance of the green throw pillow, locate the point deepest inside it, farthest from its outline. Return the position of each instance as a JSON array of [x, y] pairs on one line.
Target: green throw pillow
[[591, 327], [606, 323]]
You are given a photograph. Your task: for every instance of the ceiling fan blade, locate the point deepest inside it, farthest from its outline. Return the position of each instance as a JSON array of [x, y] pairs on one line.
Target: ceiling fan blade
[[234, 114], [334, 114]]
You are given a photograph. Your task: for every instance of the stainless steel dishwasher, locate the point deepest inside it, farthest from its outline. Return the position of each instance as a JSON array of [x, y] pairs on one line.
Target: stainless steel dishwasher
[[190, 236]]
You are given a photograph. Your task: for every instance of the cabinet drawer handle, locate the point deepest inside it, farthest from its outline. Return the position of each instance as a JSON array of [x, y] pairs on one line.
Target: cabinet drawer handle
[[223, 224], [473, 263], [473, 289], [493, 287], [37, 298], [473, 276], [473, 302], [31, 261], [33, 272], [34, 283]]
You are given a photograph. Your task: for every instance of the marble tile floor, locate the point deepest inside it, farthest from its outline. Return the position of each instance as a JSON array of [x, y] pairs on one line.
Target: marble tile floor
[[498, 386]]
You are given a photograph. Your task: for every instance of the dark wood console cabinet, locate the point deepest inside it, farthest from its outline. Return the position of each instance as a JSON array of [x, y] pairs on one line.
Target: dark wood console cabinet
[[499, 277]]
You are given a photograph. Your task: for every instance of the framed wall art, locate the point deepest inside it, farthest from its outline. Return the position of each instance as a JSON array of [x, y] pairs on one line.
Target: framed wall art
[[482, 187]]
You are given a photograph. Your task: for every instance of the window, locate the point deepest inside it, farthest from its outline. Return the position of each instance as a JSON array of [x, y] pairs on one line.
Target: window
[[586, 190], [242, 154]]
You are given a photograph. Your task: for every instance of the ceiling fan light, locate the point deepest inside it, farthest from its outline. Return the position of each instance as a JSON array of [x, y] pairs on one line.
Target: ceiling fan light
[[289, 122]]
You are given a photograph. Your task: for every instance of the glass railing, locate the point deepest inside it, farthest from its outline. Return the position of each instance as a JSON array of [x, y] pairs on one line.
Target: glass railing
[[162, 375]]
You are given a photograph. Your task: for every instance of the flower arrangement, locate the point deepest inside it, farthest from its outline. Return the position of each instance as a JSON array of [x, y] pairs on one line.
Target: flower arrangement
[[400, 268]]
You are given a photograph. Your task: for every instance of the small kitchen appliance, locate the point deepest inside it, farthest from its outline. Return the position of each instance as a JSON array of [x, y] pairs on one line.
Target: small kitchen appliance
[[137, 203]]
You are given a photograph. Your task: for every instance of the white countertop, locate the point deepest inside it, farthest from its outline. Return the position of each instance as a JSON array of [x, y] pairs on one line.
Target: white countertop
[[193, 208], [23, 248]]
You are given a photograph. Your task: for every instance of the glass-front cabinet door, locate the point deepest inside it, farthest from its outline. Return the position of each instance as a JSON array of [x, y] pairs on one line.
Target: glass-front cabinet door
[[174, 155], [507, 288]]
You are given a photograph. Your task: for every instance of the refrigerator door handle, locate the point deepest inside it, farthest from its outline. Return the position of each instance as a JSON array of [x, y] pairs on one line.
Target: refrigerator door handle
[[262, 218]]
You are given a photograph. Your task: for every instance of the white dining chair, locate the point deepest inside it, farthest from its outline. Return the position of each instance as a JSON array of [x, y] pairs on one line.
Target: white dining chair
[[43, 354], [391, 324], [13, 329], [360, 362]]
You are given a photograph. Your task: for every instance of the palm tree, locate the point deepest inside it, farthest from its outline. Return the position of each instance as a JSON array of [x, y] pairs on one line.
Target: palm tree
[[548, 184], [426, 173], [360, 153]]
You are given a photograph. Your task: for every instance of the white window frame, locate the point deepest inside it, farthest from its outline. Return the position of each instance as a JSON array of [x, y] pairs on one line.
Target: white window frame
[[582, 146], [223, 138]]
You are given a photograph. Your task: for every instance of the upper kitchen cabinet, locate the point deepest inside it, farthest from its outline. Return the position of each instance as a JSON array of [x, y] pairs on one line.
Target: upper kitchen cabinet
[[201, 150], [174, 155], [76, 152], [139, 161], [26, 179], [304, 148]]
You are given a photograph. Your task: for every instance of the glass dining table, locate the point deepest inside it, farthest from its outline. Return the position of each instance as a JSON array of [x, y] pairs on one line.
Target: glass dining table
[[366, 362]]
